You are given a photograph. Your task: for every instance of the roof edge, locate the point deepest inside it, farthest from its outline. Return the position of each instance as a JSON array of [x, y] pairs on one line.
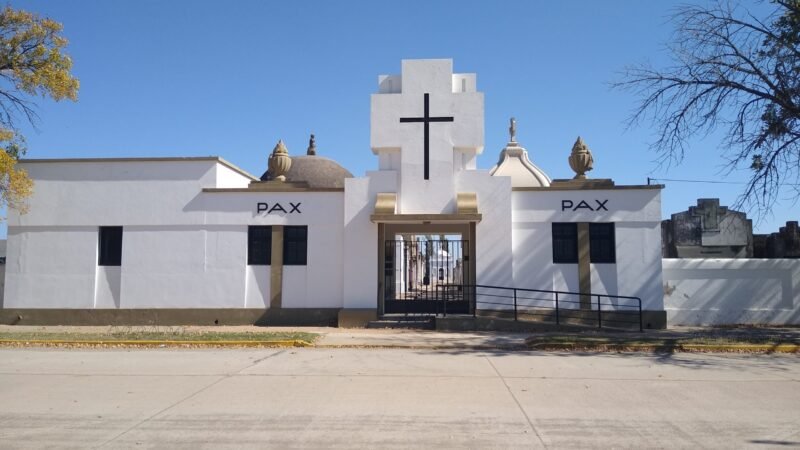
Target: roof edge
[[622, 187], [274, 189], [217, 159]]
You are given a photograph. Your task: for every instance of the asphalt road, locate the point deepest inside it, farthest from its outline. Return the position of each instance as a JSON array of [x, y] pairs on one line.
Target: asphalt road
[[367, 398]]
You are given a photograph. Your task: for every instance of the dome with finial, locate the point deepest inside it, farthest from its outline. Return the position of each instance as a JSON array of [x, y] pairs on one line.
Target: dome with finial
[[514, 163], [313, 170]]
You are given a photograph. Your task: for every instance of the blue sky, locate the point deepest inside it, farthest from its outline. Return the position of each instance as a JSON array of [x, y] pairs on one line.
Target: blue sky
[[196, 78]]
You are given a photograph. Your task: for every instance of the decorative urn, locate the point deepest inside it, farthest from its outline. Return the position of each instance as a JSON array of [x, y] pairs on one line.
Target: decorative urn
[[580, 160], [280, 162]]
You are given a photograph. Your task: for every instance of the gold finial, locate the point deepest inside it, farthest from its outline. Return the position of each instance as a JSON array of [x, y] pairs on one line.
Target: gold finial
[[279, 162], [280, 147], [581, 160]]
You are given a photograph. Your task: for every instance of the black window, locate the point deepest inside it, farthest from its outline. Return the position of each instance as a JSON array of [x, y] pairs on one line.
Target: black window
[[295, 243], [259, 245], [110, 252], [602, 246], [565, 243]]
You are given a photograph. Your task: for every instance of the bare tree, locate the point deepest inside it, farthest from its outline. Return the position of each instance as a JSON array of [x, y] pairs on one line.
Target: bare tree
[[735, 72]]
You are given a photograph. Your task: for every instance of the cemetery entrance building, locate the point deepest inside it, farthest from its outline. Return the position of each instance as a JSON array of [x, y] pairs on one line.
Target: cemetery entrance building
[[198, 240]]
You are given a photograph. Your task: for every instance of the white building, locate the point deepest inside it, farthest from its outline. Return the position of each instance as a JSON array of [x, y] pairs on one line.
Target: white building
[[198, 240]]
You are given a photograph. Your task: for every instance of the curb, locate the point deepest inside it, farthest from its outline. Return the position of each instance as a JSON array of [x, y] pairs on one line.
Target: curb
[[541, 346], [657, 348], [155, 343], [477, 347]]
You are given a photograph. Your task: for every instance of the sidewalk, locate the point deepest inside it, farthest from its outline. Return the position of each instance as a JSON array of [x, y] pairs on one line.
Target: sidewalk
[[761, 339], [393, 338]]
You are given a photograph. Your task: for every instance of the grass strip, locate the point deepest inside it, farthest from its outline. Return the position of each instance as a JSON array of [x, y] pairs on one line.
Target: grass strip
[[166, 337], [689, 344], [145, 344]]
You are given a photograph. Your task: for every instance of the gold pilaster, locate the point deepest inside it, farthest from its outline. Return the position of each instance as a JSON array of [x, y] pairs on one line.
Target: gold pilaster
[[276, 268], [584, 268]]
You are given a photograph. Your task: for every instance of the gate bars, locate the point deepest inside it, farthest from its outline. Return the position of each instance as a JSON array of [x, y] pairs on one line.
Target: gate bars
[[414, 271]]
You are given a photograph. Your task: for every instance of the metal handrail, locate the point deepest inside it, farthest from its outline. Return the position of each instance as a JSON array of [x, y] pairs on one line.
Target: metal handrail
[[558, 301]]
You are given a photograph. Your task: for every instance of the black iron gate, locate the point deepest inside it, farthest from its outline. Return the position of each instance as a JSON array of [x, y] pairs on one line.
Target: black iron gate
[[426, 277]]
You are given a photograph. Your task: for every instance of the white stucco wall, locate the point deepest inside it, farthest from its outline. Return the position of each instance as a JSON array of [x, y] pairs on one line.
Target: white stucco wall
[[732, 291], [119, 193], [183, 267], [227, 177], [51, 267], [108, 287], [257, 287], [162, 267], [360, 262], [181, 247], [636, 214], [494, 259]]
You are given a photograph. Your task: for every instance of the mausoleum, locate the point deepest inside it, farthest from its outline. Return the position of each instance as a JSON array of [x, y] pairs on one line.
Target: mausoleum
[[199, 240]]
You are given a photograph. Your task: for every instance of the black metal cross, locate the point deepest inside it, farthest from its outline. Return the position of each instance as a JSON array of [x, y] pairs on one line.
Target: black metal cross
[[426, 120]]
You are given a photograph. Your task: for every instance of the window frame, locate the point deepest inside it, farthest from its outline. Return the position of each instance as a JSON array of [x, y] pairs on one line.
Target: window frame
[[563, 232], [295, 245], [599, 233], [109, 246], [253, 233]]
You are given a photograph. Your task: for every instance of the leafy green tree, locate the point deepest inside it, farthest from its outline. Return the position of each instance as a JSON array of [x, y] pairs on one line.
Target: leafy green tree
[[734, 72], [32, 64]]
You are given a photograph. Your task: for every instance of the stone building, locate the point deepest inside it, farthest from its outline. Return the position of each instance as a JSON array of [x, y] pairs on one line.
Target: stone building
[[783, 244], [707, 230]]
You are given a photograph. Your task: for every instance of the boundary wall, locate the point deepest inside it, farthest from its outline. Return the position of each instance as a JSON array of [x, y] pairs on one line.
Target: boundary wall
[[732, 291]]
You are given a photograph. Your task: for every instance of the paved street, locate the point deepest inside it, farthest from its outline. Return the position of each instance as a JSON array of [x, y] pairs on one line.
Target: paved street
[[370, 398]]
